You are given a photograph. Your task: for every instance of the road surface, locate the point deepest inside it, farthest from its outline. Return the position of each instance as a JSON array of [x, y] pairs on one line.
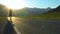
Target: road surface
[[17, 30], [37, 26]]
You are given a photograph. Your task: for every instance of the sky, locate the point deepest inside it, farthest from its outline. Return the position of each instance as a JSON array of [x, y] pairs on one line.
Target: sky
[[31, 3]]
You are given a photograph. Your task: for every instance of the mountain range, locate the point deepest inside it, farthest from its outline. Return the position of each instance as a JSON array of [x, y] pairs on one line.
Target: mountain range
[[3, 10], [31, 11], [28, 11]]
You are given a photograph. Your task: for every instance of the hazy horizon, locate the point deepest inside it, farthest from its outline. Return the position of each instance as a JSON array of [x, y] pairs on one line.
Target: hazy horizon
[[30, 3]]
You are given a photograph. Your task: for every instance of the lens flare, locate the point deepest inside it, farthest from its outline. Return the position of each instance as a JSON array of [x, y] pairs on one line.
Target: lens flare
[[13, 4]]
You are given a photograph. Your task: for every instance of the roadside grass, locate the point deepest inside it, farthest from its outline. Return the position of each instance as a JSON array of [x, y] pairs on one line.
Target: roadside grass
[[49, 16], [3, 22], [3, 19]]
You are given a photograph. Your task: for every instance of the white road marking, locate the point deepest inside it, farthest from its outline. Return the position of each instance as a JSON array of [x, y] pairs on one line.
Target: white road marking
[[17, 30]]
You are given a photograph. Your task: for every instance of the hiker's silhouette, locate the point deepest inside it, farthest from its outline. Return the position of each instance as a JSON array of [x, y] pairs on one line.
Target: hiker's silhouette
[[9, 28], [10, 14]]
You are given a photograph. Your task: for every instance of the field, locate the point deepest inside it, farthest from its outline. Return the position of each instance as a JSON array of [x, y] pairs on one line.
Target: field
[[49, 16], [3, 22]]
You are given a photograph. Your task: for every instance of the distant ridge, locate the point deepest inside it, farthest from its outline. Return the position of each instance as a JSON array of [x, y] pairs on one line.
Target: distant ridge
[[57, 9], [3, 10], [31, 11]]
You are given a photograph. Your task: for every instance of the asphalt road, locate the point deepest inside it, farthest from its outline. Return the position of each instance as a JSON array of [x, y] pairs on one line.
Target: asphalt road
[[17, 31], [37, 26]]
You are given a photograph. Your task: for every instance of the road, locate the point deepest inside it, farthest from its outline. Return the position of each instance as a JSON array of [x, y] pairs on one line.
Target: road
[[11, 28], [17, 30], [37, 26]]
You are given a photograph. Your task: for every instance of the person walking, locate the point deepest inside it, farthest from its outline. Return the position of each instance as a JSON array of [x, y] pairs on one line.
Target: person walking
[[10, 14]]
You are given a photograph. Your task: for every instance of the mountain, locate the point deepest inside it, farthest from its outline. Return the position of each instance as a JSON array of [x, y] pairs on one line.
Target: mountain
[[31, 11], [57, 9], [23, 12], [3, 10], [52, 14]]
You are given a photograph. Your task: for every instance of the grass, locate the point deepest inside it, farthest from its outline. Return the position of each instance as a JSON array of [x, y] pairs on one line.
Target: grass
[[3, 22], [52, 16]]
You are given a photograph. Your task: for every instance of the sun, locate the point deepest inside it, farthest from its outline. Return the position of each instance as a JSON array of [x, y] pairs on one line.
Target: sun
[[14, 4]]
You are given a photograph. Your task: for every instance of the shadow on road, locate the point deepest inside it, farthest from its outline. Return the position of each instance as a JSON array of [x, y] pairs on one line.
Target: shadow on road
[[9, 28]]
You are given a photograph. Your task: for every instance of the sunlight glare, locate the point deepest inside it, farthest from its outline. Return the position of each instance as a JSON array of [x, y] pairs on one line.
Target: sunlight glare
[[14, 4]]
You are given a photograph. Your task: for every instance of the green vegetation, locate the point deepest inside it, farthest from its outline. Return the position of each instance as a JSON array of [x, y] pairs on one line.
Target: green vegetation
[[53, 15], [3, 22]]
